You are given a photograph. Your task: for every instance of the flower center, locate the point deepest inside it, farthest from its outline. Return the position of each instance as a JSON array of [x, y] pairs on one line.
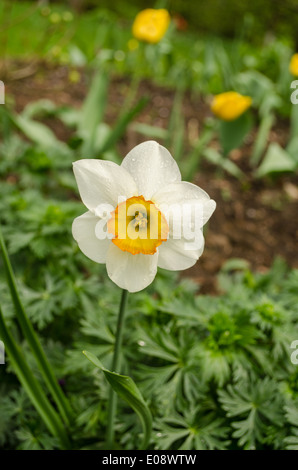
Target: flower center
[[138, 226]]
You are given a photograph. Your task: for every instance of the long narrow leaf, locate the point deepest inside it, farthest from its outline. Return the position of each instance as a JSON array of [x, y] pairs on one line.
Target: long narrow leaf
[[262, 137], [153, 132], [39, 133], [125, 387], [94, 106], [213, 156], [232, 133], [193, 160], [32, 387], [33, 341], [294, 121], [121, 125], [92, 112], [176, 124]]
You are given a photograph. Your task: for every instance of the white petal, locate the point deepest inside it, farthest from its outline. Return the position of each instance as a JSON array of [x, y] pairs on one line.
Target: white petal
[[183, 194], [152, 167], [102, 182], [177, 255], [131, 272], [84, 232]]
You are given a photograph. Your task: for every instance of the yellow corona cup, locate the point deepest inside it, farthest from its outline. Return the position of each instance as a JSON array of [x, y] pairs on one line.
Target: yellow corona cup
[[294, 65], [150, 25], [230, 105]]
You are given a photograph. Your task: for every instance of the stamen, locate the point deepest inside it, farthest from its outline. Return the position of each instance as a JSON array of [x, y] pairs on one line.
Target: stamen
[[138, 226]]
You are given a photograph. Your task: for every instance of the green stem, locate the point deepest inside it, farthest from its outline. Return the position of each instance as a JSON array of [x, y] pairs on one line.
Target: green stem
[[115, 366], [32, 387], [33, 341], [132, 92], [135, 80]]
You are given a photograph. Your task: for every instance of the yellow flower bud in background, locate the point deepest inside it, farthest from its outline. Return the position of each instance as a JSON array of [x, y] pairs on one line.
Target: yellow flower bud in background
[[55, 18], [56, 51], [67, 16], [294, 65], [74, 76], [230, 105], [150, 25], [133, 44]]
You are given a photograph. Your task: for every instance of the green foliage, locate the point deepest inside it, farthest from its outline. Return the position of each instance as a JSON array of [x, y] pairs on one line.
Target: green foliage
[[215, 371], [255, 406], [204, 64], [125, 387], [233, 133], [292, 418]]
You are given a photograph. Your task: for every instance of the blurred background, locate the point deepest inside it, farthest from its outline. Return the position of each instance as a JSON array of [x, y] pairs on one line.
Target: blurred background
[[51, 50]]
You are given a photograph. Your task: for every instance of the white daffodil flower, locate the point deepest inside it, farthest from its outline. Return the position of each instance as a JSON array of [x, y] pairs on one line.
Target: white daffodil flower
[[140, 216]]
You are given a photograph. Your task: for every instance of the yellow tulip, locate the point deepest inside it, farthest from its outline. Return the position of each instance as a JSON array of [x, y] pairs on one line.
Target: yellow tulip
[[230, 105], [294, 65], [150, 25]]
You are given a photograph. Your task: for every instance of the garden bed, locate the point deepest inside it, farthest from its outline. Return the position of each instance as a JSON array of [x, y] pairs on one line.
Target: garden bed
[[255, 219]]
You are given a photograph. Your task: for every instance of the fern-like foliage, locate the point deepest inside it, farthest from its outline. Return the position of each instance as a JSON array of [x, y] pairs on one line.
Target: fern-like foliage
[[252, 407]]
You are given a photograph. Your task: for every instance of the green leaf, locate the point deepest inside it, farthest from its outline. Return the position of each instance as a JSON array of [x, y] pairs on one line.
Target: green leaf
[[120, 127], [214, 157], [255, 84], [39, 133], [125, 387], [292, 148], [294, 121], [94, 106], [262, 137], [32, 386], [39, 108], [192, 162], [154, 132], [235, 264], [256, 404], [197, 429], [276, 160], [232, 133], [33, 340], [19, 241], [92, 112], [69, 116], [292, 418], [102, 133]]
